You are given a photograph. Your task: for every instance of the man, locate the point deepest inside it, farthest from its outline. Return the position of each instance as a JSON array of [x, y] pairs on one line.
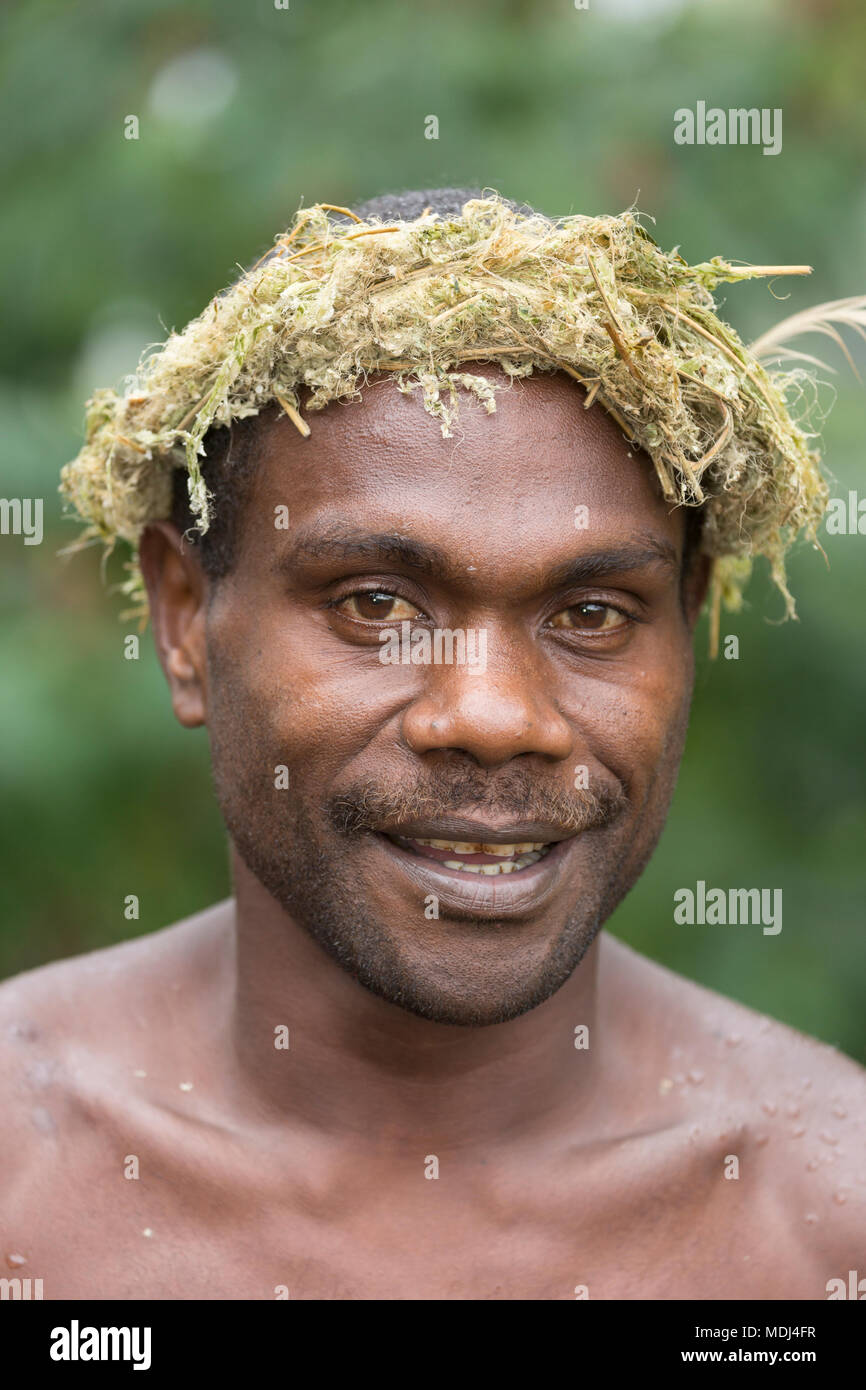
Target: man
[[403, 1062]]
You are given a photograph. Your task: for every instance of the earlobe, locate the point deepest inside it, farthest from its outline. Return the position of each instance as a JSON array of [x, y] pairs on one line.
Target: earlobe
[[177, 592]]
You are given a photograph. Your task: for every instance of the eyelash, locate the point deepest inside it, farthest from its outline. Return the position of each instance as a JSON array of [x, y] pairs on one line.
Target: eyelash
[[389, 588], [386, 588], [634, 614]]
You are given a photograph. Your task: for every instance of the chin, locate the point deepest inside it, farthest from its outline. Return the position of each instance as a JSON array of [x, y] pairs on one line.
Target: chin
[[479, 1003]]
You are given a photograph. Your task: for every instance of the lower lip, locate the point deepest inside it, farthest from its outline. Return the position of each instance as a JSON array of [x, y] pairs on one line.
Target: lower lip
[[483, 895]]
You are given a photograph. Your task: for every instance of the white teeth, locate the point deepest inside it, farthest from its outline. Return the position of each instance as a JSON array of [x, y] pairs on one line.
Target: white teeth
[[522, 863]]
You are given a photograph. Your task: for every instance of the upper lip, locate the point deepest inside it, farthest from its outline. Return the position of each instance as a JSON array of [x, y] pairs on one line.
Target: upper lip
[[478, 832]]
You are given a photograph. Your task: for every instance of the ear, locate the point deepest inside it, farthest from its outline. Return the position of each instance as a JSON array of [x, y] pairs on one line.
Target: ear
[[177, 591], [695, 583]]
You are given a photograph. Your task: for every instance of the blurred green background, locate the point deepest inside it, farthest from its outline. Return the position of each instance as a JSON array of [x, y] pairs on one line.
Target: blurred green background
[[245, 111]]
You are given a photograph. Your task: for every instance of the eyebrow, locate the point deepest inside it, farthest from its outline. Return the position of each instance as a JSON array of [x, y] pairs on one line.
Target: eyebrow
[[339, 542], [645, 553]]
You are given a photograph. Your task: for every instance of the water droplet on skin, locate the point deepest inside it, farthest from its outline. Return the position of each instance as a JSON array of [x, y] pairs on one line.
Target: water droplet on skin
[[768, 1107], [696, 1077], [665, 1085], [16, 1261], [765, 1026], [812, 1164], [694, 1131], [185, 1086], [147, 1232], [23, 1032], [827, 1137], [793, 1111], [798, 1132], [43, 1120], [840, 1112], [810, 1218], [139, 1072], [761, 1140], [41, 1074], [734, 1039], [840, 1198]]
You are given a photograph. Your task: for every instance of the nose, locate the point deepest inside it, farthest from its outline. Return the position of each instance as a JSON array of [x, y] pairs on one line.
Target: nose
[[493, 716]]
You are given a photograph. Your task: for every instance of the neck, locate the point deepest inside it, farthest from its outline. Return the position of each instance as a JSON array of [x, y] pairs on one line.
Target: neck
[[356, 1062]]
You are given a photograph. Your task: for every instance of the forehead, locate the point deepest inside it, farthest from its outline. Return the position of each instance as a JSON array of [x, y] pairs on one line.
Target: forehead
[[539, 472]]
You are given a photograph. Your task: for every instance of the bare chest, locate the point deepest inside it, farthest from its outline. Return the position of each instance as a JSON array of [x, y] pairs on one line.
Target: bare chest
[[203, 1230]]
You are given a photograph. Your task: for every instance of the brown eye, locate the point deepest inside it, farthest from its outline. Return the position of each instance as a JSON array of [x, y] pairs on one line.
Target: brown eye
[[589, 617], [376, 606]]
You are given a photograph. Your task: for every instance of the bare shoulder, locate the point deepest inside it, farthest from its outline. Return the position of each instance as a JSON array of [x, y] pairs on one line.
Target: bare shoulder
[[784, 1111], [75, 999], [753, 1056], [68, 1030]]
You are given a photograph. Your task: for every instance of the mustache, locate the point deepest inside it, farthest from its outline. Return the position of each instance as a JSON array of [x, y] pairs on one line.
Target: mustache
[[517, 794]]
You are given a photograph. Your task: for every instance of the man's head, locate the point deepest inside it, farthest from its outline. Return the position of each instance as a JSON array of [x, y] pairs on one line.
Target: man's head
[[537, 527]]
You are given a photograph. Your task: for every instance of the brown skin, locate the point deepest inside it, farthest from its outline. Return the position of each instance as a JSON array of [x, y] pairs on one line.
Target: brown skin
[[411, 1035]]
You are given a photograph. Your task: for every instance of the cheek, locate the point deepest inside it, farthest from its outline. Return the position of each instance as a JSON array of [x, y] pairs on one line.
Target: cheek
[[283, 687], [634, 728]]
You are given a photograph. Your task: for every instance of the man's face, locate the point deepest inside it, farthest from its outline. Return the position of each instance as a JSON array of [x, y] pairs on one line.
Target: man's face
[[538, 536]]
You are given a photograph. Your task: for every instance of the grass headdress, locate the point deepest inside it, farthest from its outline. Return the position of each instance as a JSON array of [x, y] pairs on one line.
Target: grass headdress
[[339, 298]]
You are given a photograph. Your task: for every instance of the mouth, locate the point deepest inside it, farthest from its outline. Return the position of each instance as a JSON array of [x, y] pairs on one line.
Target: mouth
[[490, 858], [482, 871]]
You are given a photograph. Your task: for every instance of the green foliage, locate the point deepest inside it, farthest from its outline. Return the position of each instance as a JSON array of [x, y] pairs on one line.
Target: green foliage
[[593, 296]]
